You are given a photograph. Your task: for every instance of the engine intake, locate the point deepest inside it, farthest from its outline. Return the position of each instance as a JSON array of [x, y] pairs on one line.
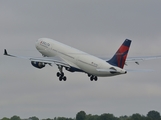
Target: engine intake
[[38, 64]]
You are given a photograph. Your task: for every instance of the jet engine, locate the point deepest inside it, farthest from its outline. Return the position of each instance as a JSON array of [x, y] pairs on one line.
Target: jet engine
[[38, 64]]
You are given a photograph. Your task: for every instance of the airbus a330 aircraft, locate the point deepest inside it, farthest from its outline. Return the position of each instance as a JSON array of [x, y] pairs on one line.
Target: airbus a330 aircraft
[[74, 60]]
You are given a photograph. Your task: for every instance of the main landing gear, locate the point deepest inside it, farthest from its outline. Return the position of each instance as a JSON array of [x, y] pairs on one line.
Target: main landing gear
[[92, 77], [61, 74], [64, 78]]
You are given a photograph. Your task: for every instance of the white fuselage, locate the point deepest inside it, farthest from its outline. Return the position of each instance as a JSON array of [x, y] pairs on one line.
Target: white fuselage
[[76, 58]]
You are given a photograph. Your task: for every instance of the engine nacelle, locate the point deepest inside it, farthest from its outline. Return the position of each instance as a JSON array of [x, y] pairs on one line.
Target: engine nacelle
[[38, 64]]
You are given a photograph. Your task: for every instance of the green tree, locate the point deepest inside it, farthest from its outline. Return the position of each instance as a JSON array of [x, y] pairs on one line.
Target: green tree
[[48, 119], [69, 119], [33, 118], [154, 115], [61, 118], [81, 115], [92, 117], [55, 118], [108, 117], [5, 118], [136, 116], [15, 118], [123, 117]]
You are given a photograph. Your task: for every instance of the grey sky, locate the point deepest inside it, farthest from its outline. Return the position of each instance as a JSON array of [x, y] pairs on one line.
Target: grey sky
[[96, 27]]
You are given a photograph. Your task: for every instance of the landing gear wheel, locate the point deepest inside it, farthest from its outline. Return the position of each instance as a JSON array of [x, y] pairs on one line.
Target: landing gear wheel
[[58, 74], [89, 75], [61, 74], [95, 78], [91, 78], [60, 78], [64, 78]]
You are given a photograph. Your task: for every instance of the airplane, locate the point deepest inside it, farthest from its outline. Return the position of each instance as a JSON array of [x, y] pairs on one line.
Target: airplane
[[74, 60]]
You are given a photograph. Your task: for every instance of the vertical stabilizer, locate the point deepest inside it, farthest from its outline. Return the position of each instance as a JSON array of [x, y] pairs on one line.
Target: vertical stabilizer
[[120, 56]]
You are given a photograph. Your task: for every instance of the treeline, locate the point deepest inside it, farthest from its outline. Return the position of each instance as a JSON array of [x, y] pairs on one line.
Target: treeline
[[151, 115]]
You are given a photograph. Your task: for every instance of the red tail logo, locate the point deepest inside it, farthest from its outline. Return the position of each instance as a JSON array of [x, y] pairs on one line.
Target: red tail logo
[[120, 56]]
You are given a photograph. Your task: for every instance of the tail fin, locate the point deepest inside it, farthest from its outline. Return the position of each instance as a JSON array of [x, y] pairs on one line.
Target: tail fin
[[120, 56]]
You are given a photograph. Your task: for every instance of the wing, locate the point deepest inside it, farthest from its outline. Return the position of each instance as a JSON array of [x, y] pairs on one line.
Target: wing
[[48, 60]]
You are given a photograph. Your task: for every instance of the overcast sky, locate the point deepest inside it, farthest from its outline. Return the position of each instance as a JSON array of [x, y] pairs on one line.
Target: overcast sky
[[95, 26]]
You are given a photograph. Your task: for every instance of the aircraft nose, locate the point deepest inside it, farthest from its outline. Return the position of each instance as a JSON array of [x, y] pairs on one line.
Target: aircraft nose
[[37, 43]]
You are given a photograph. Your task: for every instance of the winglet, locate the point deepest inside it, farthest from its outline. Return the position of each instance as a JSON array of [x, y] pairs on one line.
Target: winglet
[[5, 52]]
